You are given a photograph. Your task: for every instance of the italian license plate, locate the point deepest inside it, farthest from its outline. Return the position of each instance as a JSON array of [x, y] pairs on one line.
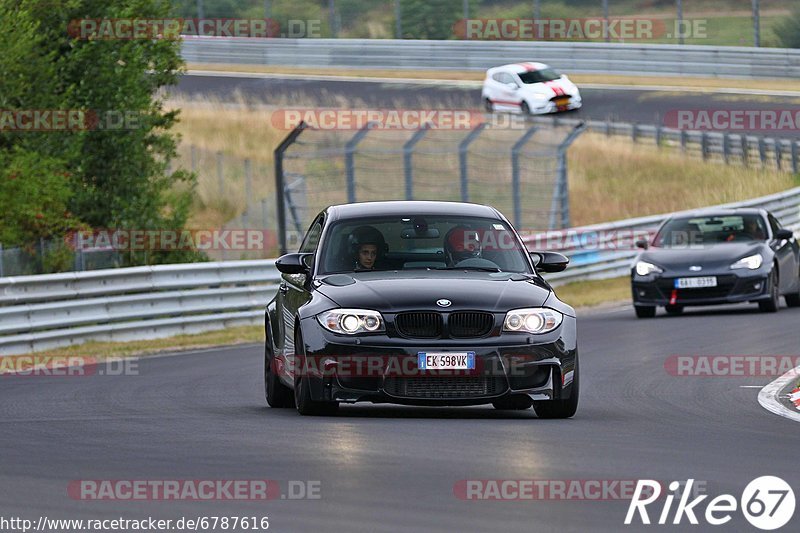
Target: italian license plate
[[696, 283], [562, 101], [446, 360]]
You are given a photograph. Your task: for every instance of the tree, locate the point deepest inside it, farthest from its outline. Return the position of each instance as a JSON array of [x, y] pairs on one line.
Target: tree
[[788, 30], [118, 172]]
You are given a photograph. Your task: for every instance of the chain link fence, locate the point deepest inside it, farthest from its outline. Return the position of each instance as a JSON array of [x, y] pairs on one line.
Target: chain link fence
[[520, 171]]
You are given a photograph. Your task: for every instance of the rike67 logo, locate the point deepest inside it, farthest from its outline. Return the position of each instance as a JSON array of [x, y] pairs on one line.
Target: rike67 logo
[[767, 503]]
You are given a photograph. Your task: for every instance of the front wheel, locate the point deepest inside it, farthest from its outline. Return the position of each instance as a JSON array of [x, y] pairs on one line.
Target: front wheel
[[771, 305], [645, 311], [525, 109], [307, 406], [560, 408], [793, 299], [674, 309], [488, 105]]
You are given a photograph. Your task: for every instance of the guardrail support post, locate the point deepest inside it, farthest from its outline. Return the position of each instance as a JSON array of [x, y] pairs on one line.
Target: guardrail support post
[[349, 160], [794, 157], [684, 139], [463, 146], [248, 190], [726, 147], [704, 144], [220, 177], [1, 261], [745, 149], [634, 128], [778, 152], [762, 150], [279, 183], [408, 151], [515, 182], [658, 135]]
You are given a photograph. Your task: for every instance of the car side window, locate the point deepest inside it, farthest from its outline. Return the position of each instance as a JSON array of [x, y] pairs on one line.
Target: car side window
[[773, 224], [498, 77], [311, 239]]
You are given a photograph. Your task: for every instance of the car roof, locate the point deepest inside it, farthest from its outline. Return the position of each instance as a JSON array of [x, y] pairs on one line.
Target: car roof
[[518, 68], [721, 212], [409, 207]]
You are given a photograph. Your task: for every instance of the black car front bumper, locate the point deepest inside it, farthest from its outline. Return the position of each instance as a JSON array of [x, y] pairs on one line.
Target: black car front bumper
[[731, 288], [383, 369]]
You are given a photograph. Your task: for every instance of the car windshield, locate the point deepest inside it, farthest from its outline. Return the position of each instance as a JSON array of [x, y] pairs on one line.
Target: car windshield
[[712, 229], [538, 76], [434, 242]]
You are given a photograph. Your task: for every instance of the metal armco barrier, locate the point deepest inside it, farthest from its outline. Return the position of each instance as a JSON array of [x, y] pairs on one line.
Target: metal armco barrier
[[611, 250], [40, 312], [600, 58]]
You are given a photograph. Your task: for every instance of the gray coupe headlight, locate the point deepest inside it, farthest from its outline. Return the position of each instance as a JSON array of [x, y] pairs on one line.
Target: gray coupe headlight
[[351, 321], [752, 262], [532, 320], [643, 268]]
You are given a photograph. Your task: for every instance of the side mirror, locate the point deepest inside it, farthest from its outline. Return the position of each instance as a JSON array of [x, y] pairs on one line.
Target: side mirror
[[784, 234], [294, 263], [643, 244], [550, 261]]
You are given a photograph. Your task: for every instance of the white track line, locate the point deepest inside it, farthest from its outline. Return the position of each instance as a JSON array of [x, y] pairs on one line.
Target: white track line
[[472, 83], [768, 397]]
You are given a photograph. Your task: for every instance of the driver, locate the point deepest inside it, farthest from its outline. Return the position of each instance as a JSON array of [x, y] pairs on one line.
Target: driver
[[753, 228], [367, 246], [461, 243]]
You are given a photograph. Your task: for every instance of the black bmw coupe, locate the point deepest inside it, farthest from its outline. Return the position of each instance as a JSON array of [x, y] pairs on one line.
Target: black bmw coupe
[[717, 257], [419, 303]]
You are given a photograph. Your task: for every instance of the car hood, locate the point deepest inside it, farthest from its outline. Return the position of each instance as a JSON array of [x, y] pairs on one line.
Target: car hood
[[394, 292], [558, 87], [717, 256]]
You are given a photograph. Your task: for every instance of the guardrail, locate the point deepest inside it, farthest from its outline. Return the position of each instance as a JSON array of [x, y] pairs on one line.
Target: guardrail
[[602, 251], [740, 148], [600, 58], [40, 312]]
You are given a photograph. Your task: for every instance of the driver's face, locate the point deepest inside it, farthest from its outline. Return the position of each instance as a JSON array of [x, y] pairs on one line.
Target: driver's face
[[367, 254]]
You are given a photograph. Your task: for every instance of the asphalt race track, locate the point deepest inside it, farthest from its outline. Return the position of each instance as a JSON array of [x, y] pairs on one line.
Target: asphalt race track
[[618, 104], [390, 468]]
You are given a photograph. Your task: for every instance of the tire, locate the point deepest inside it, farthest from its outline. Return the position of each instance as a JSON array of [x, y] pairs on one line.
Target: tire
[[513, 403], [771, 305], [645, 311], [560, 408], [525, 109], [488, 106], [793, 300], [302, 391], [674, 309]]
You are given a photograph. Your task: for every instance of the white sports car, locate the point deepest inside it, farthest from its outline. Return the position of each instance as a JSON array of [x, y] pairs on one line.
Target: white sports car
[[530, 88]]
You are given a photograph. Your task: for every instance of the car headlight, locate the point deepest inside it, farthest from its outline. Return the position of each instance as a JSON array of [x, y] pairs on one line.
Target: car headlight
[[351, 321], [752, 262], [643, 268], [533, 320]]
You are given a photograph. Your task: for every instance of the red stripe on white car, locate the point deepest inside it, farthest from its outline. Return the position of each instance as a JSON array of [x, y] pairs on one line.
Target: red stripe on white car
[[530, 67]]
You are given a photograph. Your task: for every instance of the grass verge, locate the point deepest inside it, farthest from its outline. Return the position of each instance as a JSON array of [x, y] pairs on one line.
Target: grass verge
[[477, 76], [591, 293]]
